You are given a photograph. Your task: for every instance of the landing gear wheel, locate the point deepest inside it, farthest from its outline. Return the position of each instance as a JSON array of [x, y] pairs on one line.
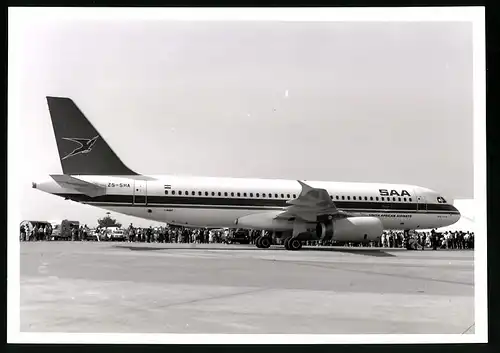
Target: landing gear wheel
[[258, 242], [265, 242], [287, 243], [295, 244]]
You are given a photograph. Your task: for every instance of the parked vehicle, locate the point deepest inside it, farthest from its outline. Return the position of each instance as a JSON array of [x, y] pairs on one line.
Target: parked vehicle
[[61, 230], [238, 236], [91, 234], [115, 233]]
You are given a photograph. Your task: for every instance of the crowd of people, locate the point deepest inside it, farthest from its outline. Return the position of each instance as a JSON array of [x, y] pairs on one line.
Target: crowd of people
[[37, 233], [171, 235], [429, 239], [389, 239]]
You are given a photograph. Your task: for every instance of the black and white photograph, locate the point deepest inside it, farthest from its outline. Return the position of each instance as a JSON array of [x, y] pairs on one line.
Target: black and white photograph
[[290, 175]]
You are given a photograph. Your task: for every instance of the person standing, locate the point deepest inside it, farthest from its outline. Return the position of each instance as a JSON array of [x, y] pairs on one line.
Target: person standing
[[23, 233]]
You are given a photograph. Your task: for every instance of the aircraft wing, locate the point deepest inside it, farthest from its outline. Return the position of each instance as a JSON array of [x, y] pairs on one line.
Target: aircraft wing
[[311, 203], [69, 182]]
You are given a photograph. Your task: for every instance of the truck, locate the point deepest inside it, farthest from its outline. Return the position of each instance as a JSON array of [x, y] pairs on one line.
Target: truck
[[61, 230]]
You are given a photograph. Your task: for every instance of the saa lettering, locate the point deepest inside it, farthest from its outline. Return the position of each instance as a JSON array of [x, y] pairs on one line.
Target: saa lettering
[[385, 192]]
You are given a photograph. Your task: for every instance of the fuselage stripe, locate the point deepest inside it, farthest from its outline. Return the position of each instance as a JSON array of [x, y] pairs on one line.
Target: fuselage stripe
[[222, 207], [221, 202]]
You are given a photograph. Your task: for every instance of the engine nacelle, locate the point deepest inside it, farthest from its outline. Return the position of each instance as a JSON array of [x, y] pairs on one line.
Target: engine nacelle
[[264, 220], [324, 230], [355, 229]]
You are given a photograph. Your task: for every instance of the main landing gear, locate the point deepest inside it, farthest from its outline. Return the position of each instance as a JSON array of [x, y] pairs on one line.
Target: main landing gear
[[293, 244], [290, 243], [263, 242]]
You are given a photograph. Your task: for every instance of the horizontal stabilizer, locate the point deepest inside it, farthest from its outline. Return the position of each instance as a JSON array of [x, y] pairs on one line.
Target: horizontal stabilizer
[[69, 182]]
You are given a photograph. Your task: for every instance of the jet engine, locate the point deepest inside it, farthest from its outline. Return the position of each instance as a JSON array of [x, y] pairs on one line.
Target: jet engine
[[350, 229]]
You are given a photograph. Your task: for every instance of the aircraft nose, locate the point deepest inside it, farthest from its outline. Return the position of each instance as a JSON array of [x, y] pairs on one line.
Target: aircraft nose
[[456, 214], [33, 185]]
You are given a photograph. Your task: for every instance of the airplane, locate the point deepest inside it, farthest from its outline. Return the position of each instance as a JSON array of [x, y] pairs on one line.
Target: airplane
[[292, 210]]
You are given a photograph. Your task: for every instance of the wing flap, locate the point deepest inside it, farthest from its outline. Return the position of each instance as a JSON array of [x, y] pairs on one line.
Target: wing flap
[[69, 182]]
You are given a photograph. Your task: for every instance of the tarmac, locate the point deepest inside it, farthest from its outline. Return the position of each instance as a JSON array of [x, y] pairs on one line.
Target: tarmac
[[107, 287]]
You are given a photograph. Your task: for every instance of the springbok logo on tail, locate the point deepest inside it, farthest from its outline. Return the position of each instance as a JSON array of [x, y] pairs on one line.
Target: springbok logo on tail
[[85, 145]]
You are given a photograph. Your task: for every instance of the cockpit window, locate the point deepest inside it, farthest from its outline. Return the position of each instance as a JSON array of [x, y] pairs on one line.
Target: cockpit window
[[441, 199]]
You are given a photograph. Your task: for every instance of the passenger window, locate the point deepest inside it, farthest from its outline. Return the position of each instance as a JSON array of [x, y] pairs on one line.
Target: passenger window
[[213, 193], [366, 198], [404, 199], [294, 196], [337, 197], [399, 199], [348, 197], [192, 193], [343, 197], [287, 196], [409, 199], [331, 197], [173, 192], [199, 193], [232, 194], [244, 194], [382, 198], [238, 194], [371, 198], [206, 193], [393, 199], [251, 194], [257, 194], [225, 194], [270, 195], [276, 195], [219, 193], [376, 198], [282, 196]]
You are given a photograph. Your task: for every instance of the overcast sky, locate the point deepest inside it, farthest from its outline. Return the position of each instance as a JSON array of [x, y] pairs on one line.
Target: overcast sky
[[368, 102]]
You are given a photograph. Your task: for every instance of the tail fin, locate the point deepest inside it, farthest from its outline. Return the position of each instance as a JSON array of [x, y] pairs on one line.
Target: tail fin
[[82, 150]]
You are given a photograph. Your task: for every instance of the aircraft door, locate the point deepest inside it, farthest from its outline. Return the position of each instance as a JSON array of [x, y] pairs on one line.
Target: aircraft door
[[421, 203], [140, 192]]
